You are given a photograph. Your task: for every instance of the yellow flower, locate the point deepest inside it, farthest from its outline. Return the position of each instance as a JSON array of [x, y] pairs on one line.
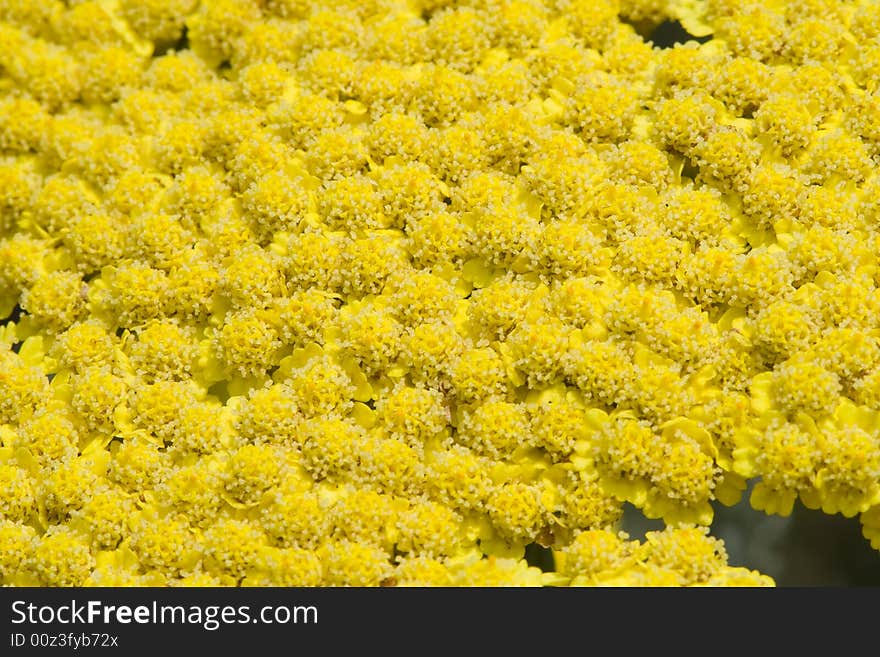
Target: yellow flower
[[194, 491], [268, 42], [246, 345], [397, 37], [846, 479], [637, 162], [192, 287], [782, 453], [295, 519], [731, 576], [163, 350], [251, 472], [66, 488], [193, 194], [59, 557], [232, 547], [560, 420], [458, 477], [138, 465], [23, 389], [726, 158], [215, 26], [600, 368], [17, 494], [686, 118], [585, 505], [22, 259], [838, 156], [48, 71], [16, 541], [249, 158], [370, 333], [429, 349], [800, 383], [326, 29], [421, 296], [18, 135], [353, 202], [262, 82], [267, 415], [330, 447], [495, 428], [112, 70], [370, 260], [337, 152], [479, 373], [785, 124], [129, 294], [156, 406], [595, 554], [604, 108], [443, 95], [428, 529], [471, 570], [651, 257], [498, 307], [389, 465], [105, 517], [415, 415], [363, 515], [537, 350], [285, 567], [815, 40], [742, 85], [397, 134], [756, 32], [783, 329], [300, 118], [689, 551], [200, 428], [421, 571], [55, 300], [169, 547], [20, 193], [350, 563], [458, 37], [50, 435], [320, 384], [594, 23], [315, 259], [570, 247], [518, 513]]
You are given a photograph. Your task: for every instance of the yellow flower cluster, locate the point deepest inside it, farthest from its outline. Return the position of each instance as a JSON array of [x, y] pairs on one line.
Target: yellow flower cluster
[[382, 292], [682, 556]]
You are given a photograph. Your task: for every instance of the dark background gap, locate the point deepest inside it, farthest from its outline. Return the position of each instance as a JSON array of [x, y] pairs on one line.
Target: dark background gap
[[669, 33]]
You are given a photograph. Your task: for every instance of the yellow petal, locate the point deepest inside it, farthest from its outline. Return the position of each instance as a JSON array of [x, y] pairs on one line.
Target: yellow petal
[[760, 389], [363, 415], [729, 490], [477, 272]]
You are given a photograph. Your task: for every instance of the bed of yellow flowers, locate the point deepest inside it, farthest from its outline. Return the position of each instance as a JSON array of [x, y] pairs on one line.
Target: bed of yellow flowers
[[380, 292]]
